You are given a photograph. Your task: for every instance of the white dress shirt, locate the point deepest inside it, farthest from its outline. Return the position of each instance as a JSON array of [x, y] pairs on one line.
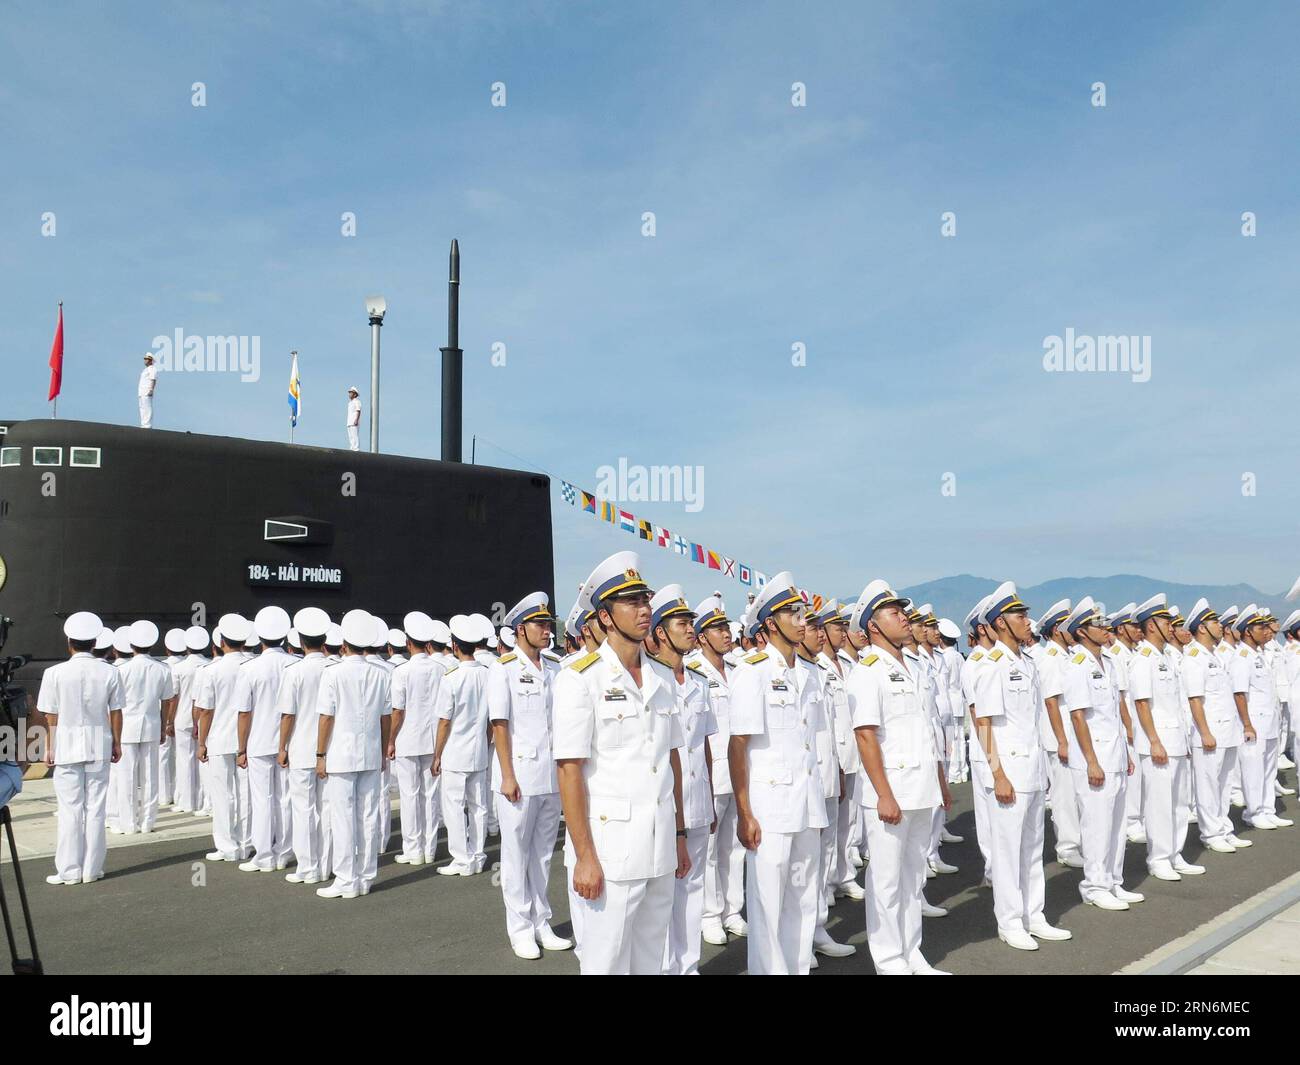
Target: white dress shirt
[[82, 691], [297, 698], [357, 695]]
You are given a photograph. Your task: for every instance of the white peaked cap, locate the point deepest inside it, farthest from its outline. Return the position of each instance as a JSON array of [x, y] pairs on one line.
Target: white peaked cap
[[272, 623], [143, 634], [83, 625], [418, 626], [311, 621], [358, 628], [235, 628], [464, 628]]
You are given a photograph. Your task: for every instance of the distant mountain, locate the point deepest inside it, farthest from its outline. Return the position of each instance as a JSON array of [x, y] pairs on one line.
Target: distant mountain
[[952, 597]]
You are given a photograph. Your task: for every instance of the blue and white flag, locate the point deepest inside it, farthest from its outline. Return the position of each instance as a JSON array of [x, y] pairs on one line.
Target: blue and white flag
[[295, 393]]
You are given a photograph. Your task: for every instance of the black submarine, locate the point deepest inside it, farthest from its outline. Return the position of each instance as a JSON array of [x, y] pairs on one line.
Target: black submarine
[[181, 527]]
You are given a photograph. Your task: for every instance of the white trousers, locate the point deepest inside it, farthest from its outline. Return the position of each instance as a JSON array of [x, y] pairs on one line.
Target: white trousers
[[271, 811], [724, 875], [1065, 808], [230, 804], [1101, 824], [1213, 772], [1234, 777], [187, 794], [1258, 762], [826, 848], [82, 792], [1134, 792], [982, 826], [623, 931], [114, 786], [384, 811], [847, 820], [781, 892], [959, 767], [528, 829], [203, 801], [137, 786], [1016, 838], [1164, 807], [167, 771], [310, 825], [950, 751], [937, 821], [421, 815], [682, 951], [895, 879], [146, 412], [354, 440], [464, 809], [354, 826]]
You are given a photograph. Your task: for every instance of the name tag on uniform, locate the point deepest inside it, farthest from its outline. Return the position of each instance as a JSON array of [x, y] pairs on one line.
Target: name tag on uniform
[[526, 678], [1017, 676], [897, 678], [779, 686], [1099, 676], [714, 684], [615, 695], [1163, 668]]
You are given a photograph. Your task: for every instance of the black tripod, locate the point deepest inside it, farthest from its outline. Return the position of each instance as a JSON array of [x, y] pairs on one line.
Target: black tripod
[[22, 966]]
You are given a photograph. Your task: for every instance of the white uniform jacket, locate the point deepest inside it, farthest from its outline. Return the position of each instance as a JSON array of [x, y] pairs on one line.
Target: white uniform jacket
[[522, 695], [883, 694], [1007, 692], [1091, 685], [625, 737], [779, 708]]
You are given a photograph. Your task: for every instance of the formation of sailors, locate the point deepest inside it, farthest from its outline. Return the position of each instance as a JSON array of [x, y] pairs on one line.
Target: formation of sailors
[[716, 778]]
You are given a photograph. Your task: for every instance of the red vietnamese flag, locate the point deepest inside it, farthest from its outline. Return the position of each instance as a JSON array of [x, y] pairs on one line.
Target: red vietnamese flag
[[56, 357]]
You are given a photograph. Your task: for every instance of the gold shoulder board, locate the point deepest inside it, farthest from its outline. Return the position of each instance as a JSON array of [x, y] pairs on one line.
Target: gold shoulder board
[[585, 662]]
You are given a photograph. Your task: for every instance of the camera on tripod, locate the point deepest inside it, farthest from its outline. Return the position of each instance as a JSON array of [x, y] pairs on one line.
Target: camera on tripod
[[13, 714], [13, 697]]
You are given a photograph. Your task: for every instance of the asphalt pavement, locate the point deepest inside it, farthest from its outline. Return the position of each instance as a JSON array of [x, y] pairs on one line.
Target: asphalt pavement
[[162, 909]]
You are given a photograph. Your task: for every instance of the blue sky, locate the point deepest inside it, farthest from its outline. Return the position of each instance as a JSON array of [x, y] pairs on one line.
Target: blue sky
[[775, 225]]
